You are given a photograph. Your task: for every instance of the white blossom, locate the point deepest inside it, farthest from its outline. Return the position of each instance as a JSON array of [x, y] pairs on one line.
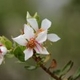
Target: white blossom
[[45, 25], [32, 42], [3, 51]]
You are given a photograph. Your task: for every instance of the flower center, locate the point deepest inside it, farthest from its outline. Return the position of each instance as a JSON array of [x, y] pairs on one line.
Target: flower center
[[31, 43], [40, 30]]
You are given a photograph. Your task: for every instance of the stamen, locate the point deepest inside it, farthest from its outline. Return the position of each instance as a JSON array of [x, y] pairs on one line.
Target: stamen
[[31, 43]]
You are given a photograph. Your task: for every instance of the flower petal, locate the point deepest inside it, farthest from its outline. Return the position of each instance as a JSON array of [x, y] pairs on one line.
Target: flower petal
[[41, 37], [3, 49], [45, 24], [41, 50], [1, 59], [20, 40], [28, 53], [44, 51], [28, 32], [38, 48], [53, 37], [33, 23]]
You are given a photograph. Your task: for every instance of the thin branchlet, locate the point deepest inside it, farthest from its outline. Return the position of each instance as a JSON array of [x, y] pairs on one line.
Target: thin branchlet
[[38, 59]]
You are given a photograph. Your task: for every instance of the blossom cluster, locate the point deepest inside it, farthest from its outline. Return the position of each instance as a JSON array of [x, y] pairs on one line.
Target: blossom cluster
[[30, 43], [33, 37]]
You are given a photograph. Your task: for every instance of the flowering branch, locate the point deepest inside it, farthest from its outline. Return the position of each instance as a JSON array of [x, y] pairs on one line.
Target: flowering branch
[[30, 43], [38, 59]]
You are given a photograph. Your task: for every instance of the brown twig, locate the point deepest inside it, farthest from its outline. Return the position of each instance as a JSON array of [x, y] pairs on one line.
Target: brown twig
[[38, 59]]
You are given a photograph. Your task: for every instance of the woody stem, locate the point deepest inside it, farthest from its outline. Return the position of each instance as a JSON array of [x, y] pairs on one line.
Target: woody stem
[[38, 59]]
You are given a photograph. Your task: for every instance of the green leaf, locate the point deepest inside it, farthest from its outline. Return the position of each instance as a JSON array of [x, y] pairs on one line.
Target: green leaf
[[67, 68], [36, 16], [31, 67], [18, 52], [6, 42], [57, 72], [28, 15], [64, 70], [75, 76], [70, 78]]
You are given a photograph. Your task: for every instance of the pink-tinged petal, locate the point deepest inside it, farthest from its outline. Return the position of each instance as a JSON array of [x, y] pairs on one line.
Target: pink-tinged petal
[[33, 23], [41, 37], [1, 59], [38, 48], [45, 24], [53, 37], [20, 40], [3, 49], [44, 51], [28, 32], [41, 50], [28, 53]]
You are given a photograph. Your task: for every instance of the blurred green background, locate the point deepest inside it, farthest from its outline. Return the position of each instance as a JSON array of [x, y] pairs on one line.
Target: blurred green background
[[65, 18]]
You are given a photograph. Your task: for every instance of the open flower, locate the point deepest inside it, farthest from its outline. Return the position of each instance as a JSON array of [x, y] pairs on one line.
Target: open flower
[[45, 25], [32, 42], [3, 51]]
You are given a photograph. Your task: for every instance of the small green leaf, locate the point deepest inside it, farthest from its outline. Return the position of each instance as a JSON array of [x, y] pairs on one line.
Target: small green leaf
[[57, 72], [28, 15], [36, 16], [70, 78], [66, 68], [75, 76], [18, 52], [31, 67], [6, 42]]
